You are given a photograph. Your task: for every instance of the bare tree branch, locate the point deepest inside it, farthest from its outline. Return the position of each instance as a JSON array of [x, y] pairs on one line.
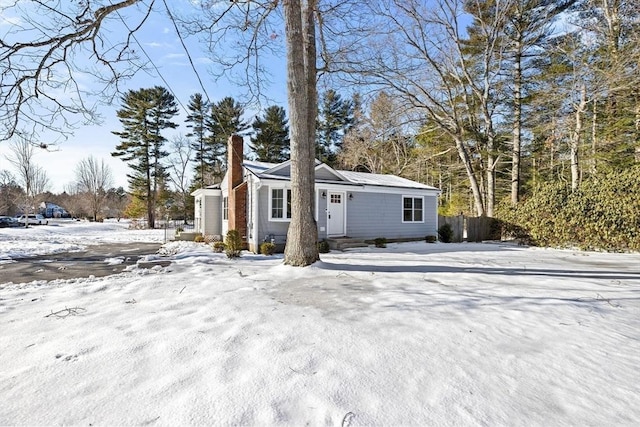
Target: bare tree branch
[[47, 55]]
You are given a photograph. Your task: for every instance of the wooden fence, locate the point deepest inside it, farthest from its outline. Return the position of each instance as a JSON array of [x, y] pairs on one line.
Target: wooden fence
[[471, 229], [457, 226]]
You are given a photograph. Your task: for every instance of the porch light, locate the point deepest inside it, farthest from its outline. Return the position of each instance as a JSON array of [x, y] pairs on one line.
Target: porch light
[[324, 194], [350, 196]]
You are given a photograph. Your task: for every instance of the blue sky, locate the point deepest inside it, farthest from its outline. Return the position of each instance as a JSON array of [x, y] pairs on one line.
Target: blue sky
[[160, 41]]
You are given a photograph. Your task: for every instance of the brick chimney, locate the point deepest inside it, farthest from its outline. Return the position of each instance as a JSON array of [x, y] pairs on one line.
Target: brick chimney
[[237, 188]]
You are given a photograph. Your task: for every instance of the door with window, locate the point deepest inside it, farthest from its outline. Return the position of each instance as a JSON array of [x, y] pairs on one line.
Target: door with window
[[335, 214]]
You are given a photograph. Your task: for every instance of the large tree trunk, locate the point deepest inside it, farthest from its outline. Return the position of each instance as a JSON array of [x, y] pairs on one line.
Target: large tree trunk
[[301, 249], [491, 182], [475, 188]]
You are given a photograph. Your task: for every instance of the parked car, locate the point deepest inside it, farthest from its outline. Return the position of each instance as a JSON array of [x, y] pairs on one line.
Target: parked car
[[8, 221], [36, 219]]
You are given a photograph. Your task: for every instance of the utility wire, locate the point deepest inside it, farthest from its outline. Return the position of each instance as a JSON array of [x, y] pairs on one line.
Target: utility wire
[[133, 35], [213, 112], [184, 46]]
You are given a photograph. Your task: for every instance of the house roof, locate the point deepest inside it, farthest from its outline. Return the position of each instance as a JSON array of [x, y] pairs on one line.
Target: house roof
[[383, 180], [280, 171]]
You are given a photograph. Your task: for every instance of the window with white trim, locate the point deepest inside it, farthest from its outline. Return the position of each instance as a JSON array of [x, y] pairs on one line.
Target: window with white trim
[[280, 204], [225, 208], [412, 209]]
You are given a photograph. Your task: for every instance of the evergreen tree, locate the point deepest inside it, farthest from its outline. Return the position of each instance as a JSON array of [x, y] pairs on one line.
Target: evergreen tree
[[145, 113], [527, 33], [336, 116], [196, 121], [225, 119], [614, 32], [271, 140]]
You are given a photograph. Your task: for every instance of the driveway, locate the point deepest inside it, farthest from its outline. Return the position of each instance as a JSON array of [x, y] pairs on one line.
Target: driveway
[[97, 260]]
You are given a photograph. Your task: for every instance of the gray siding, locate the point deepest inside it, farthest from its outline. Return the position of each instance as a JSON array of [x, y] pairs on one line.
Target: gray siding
[[371, 215], [266, 227], [280, 228], [321, 209], [213, 213], [326, 175], [284, 171]]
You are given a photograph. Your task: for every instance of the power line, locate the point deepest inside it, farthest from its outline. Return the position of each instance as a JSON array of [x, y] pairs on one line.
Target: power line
[[184, 46], [133, 35]]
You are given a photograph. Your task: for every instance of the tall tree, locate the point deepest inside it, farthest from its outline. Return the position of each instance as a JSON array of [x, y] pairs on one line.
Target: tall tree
[[378, 144], [197, 122], [179, 161], [420, 52], [30, 175], [145, 113], [225, 119], [94, 178], [335, 117], [300, 28], [613, 33], [527, 31], [270, 141]]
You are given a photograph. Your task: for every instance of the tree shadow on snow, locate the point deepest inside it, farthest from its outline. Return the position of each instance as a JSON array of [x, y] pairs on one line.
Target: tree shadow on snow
[[502, 271]]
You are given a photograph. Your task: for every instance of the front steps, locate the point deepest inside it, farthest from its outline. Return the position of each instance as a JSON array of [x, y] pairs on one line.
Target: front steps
[[342, 243]]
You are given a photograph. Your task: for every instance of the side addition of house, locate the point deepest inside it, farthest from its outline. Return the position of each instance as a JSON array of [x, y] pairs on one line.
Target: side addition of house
[[255, 199]]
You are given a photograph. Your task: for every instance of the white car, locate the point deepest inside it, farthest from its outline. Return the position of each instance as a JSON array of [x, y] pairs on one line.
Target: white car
[[33, 219]]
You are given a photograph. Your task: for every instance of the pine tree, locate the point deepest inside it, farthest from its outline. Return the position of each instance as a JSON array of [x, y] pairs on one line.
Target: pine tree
[[225, 119], [196, 119], [145, 113], [271, 140], [527, 31], [335, 119]]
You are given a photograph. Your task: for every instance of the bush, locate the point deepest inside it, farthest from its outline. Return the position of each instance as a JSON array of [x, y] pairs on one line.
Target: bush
[[267, 248], [603, 213], [233, 244], [431, 239], [380, 242], [445, 233], [218, 247], [323, 247], [199, 239]]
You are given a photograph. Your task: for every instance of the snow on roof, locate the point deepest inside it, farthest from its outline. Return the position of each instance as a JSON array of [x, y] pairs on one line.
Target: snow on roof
[[383, 180], [358, 178], [258, 167]]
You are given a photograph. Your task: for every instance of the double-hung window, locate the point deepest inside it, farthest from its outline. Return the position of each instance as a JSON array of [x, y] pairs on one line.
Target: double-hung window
[[225, 208], [412, 209], [280, 204]]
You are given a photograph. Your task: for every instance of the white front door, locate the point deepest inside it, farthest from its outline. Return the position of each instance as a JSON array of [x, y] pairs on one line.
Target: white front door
[[335, 214]]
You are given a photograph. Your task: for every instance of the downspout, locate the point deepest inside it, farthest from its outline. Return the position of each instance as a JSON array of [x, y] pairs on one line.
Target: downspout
[[254, 188]]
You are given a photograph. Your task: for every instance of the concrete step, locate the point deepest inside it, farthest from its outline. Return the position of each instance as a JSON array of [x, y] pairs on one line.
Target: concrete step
[[342, 243]]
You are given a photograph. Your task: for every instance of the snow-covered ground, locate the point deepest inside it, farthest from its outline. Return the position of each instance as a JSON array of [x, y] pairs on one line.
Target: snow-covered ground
[[414, 334]]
